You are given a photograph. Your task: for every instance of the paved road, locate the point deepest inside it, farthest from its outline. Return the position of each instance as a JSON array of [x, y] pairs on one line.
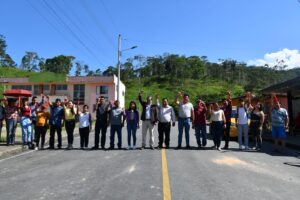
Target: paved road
[[123, 174]]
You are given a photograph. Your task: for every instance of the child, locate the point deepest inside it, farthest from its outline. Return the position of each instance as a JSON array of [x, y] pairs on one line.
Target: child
[[42, 118], [85, 126]]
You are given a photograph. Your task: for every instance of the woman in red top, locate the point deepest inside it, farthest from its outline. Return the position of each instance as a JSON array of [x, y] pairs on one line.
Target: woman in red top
[[26, 124], [199, 123]]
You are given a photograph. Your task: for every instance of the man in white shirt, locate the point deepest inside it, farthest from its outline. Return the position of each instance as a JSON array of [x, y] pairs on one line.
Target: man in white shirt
[[186, 116], [166, 114], [242, 124]]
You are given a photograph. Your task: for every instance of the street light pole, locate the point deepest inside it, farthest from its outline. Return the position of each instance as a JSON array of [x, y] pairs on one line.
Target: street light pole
[[119, 64], [119, 67]]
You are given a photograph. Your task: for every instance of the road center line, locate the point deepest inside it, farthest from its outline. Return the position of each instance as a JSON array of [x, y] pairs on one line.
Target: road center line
[[165, 176]]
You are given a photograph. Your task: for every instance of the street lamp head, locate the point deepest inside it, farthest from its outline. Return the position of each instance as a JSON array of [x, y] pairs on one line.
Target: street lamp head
[[128, 49]]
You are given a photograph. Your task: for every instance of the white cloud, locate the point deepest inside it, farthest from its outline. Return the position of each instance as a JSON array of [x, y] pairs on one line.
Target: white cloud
[[290, 57]]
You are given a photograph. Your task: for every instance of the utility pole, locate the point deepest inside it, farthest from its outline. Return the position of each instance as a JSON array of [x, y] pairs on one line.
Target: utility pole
[[119, 64], [119, 67]]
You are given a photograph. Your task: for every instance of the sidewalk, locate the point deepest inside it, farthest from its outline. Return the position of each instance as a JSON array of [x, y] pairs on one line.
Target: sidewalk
[[292, 142], [6, 151]]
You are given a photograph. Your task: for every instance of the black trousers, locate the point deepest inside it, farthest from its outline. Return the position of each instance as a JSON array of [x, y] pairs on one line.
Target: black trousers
[[100, 126], [84, 136], [40, 133], [33, 134], [1, 124], [54, 129], [217, 132], [70, 126], [164, 133], [257, 134], [227, 134]]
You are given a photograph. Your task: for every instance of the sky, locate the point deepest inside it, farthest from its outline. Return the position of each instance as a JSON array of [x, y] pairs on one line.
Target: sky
[[256, 32]]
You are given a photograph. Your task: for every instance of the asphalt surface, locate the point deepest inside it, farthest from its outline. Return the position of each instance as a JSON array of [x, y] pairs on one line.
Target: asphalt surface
[[137, 174]]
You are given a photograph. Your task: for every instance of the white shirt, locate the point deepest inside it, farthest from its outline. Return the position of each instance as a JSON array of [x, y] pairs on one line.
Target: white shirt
[[185, 110], [84, 120], [216, 116], [243, 117], [166, 114], [148, 113]]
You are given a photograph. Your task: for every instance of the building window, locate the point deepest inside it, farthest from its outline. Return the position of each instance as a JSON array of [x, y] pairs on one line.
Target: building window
[[46, 88], [21, 87], [38, 89], [78, 94], [35, 90], [62, 87], [103, 89]]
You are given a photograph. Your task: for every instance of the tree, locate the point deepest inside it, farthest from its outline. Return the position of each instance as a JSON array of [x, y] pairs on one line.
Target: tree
[[5, 59], [86, 69], [2, 46], [110, 71], [59, 64], [8, 62], [97, 72], [78, 69], [31, 61], [196, 66], [127, 70], [140, 62], [41, 64]]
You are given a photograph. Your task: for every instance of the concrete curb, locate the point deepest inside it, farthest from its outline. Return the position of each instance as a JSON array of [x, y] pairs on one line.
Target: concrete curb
[[288, 144], [19, 149], [12, 152]]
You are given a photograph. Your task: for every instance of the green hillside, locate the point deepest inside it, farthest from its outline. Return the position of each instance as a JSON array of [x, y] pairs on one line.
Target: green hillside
[[210, 91], [11, 72]]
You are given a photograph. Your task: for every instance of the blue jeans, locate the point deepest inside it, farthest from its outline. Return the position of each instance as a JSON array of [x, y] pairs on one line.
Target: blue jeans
[[184, 123], [11, 125], [131, 130], [113, 129], [243, 128], [200, 130], [26, 129]]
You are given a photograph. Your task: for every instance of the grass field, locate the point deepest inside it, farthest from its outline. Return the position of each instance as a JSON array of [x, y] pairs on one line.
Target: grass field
[[209, 91], [33, 77]]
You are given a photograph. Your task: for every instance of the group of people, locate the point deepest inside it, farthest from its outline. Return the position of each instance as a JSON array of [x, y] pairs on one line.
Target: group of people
[[37, 117], [189, 116]]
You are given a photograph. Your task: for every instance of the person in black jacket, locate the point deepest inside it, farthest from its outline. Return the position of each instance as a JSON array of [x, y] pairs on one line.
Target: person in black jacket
[[2, 117], [149, 118], [102, 121]]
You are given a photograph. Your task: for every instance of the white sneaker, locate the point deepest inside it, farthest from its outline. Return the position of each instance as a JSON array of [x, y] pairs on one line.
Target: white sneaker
[[36, 148], [129, 147], [219, 149], [134, 147]]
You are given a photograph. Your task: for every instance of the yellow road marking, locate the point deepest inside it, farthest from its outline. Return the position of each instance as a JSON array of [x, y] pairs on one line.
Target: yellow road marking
[[165, 176]]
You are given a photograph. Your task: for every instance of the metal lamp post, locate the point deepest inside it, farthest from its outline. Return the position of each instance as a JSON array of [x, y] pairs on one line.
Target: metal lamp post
[[119, 64]]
